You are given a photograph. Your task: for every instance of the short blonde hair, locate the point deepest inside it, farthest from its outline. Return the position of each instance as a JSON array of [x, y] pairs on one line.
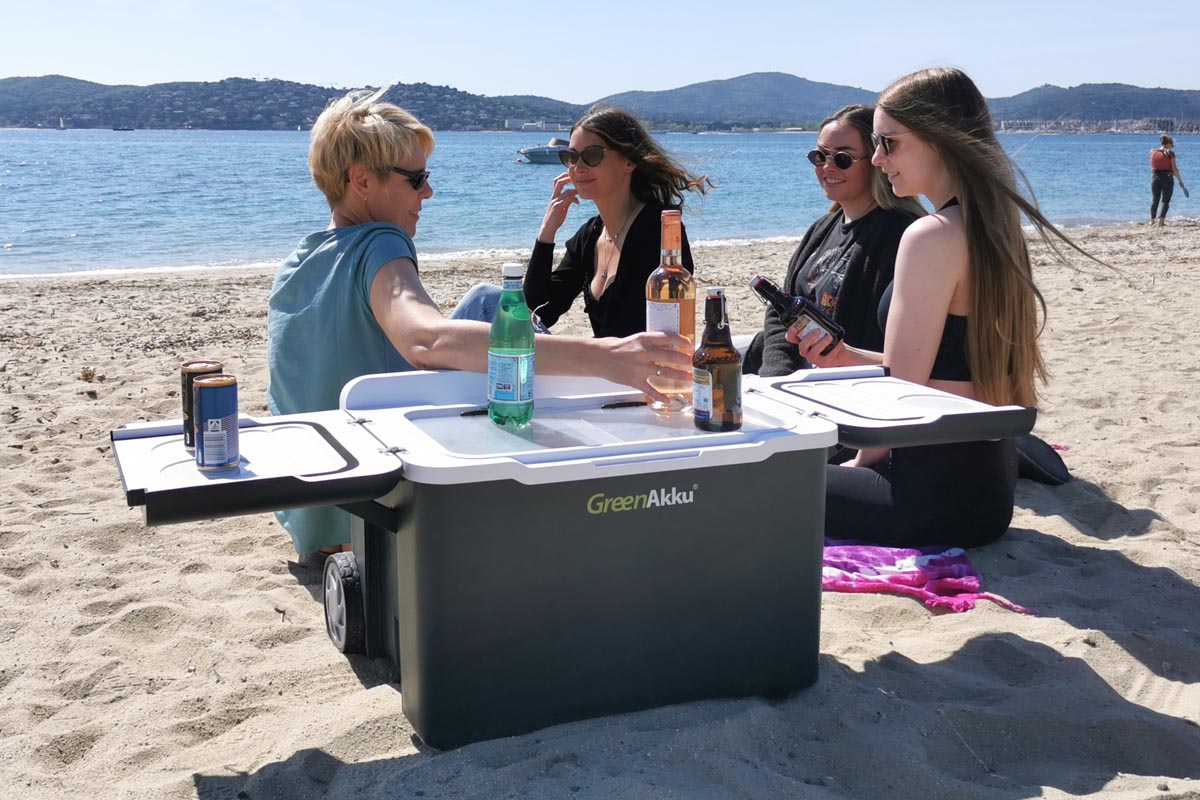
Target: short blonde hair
[[360, 129]]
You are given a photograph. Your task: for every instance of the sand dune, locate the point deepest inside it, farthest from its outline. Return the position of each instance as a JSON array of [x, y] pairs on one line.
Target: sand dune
[[191, 661]]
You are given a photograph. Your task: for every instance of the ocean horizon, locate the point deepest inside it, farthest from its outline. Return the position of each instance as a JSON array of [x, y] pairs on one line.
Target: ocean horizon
[[112, 202]]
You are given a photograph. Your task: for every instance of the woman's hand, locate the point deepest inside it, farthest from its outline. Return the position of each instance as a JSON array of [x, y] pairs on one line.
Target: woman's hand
[[813, 343], [561, 201], [634, 360]]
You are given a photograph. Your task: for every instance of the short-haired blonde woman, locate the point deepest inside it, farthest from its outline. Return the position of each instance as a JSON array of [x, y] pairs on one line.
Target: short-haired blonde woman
[[961, 316], [1164, 172], [349, 300]]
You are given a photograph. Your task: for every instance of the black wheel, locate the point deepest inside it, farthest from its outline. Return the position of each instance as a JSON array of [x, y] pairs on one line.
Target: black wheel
[[344, 619]]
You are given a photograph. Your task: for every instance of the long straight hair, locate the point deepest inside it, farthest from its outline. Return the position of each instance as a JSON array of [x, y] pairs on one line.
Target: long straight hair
[[944, 107], [862, 119], [656, 176]]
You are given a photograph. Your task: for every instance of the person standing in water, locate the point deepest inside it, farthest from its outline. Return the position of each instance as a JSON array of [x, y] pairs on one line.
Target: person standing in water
[[1165, 171]]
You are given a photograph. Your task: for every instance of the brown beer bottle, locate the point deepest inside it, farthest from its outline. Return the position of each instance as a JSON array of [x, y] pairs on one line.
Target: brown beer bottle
[[716, 370], [797, 310]]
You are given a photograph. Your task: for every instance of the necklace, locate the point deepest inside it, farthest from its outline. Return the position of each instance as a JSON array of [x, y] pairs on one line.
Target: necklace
[[606, 273]]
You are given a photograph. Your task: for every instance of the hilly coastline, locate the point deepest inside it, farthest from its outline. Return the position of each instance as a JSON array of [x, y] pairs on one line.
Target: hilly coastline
[[765, 100]]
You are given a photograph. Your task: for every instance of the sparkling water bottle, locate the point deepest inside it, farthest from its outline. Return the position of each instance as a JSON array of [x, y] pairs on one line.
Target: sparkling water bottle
[[510, 354]]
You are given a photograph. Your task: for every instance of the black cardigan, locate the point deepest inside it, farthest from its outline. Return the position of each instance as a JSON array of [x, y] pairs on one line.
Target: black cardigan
[[621, 309], [871, 266]]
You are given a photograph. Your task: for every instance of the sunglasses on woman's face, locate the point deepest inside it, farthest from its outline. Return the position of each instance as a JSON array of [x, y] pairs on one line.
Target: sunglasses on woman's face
[[840, 159], [415, 179], [592, 156], [884, 140]]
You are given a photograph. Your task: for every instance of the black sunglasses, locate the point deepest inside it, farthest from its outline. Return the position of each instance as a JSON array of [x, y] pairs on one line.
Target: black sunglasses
[[884, 140], [592, 156], [840, 159], [415, 179]]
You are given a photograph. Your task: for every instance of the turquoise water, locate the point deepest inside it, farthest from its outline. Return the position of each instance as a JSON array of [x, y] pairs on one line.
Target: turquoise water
[[83, 200]]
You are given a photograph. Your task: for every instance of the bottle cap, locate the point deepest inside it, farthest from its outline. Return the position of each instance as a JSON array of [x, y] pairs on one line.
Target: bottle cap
[[512, 270], [716, 291], [672, 229]]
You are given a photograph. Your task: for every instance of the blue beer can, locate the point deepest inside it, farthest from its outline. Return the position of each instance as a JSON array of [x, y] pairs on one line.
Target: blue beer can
[[215, 410]]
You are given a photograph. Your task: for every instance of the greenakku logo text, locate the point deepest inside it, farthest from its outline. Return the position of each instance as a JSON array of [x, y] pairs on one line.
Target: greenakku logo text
[[601, 503]]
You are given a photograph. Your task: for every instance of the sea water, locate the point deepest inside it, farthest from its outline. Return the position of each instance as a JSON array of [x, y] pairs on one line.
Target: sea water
[[89, 200]]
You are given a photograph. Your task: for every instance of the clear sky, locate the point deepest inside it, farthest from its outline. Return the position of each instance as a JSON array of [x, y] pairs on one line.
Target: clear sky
[[580, 52]]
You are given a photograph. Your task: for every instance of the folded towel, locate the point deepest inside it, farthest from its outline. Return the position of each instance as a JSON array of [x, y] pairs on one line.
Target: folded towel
[[939, 577]]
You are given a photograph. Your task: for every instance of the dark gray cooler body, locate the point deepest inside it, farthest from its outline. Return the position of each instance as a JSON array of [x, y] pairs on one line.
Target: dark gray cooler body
[[601, 561]]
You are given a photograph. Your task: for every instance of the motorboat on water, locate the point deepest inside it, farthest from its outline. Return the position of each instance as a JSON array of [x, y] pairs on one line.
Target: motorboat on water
[[546, 153]]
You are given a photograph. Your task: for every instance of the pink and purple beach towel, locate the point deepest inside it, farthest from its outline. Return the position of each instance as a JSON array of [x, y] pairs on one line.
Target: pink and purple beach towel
[[937, 576]]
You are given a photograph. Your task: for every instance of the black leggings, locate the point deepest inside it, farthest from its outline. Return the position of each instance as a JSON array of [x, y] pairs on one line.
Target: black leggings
[[1162, 184], [949, 494]]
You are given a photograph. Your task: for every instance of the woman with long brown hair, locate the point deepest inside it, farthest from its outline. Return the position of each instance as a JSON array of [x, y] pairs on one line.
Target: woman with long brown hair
[[960, 316], [848, 257], [614, 162]]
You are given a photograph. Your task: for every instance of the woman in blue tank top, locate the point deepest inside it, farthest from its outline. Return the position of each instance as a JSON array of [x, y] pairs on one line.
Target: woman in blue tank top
[[961, 316], [349, 301]]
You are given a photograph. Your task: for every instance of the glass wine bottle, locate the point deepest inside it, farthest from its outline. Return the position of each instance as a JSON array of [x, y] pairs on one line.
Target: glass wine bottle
[[671, 307]]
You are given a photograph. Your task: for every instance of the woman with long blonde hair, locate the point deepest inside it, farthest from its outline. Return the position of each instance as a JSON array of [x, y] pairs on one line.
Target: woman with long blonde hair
[[960, 316]]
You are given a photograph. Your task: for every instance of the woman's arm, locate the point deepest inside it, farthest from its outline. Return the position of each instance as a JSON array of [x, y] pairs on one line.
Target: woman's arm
[[427, 340], [930, 265], [780, 357], [550, 292]]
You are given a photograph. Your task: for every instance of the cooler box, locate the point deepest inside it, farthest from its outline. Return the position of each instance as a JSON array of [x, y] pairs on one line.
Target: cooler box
[[601, 560]]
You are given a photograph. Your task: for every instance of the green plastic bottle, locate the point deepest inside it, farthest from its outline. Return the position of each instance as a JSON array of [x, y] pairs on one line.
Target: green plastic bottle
[[510, 354]]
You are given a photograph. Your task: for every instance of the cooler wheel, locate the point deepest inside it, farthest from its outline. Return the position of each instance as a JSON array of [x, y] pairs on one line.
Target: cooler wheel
[[344, 619]]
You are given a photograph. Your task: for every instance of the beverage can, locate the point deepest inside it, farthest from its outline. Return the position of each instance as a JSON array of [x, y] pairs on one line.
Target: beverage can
[[215, 405], [187, 375]]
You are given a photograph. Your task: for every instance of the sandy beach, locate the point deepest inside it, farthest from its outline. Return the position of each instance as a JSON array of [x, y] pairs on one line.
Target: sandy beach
[[191, 661]]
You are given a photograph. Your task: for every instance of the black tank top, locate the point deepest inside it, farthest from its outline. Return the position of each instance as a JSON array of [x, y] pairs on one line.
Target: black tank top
[[951, 363]]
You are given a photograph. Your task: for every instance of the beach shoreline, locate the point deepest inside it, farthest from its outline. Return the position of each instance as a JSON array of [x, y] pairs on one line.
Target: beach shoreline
[[498, 255], [191, 661]]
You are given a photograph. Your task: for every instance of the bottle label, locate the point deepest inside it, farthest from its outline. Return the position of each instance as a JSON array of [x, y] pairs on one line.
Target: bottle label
[[808, 324], [510, 377], [662, 317], [702, 394], [512, 284]]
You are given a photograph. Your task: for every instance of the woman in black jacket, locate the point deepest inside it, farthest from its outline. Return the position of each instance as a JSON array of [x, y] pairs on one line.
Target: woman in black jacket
[[615, 163], [847, 258]]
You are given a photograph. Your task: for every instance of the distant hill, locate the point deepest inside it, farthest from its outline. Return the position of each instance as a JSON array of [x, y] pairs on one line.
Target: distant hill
[[1098, 102], [762, 99], [241, 103]]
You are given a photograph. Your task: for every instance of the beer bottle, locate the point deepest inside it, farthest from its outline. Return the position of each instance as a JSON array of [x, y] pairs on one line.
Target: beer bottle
[[510, 354], [671, 307], [716, 370], [798, 310]]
